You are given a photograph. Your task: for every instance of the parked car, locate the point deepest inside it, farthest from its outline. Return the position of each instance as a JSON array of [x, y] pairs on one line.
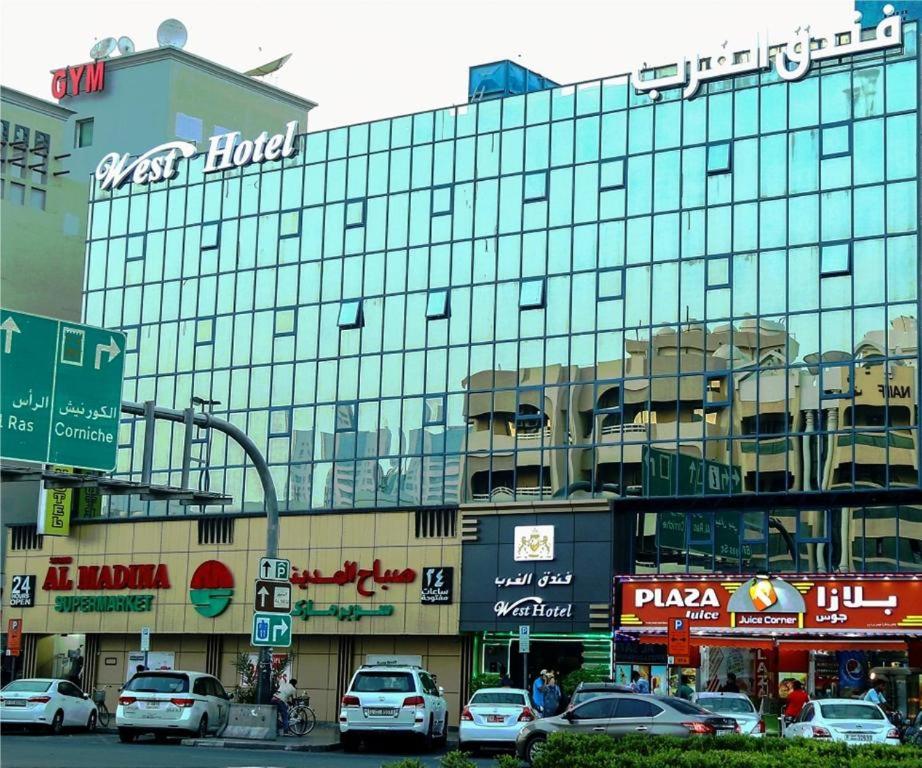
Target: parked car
[[586, 691], [913, 732], [391, 699], [46, 703], [493, 718], [736, 705], [850, 720], [171, 703], [619, 714]]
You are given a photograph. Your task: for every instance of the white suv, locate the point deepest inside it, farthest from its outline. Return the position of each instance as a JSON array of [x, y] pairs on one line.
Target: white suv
[[385, 699]]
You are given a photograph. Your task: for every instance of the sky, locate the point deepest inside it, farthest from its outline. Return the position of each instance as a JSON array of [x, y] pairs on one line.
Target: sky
[[362, 60]]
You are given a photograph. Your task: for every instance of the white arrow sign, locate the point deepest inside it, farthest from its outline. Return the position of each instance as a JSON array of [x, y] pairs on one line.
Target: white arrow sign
[[278, 632], [10, 327], [112, 348], [263, 594]]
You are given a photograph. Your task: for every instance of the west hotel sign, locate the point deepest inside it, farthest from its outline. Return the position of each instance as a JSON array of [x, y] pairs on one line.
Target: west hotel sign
[[762, 605]]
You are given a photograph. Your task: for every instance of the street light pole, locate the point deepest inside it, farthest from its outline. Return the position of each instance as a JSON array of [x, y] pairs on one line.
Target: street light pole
[[150, 411]]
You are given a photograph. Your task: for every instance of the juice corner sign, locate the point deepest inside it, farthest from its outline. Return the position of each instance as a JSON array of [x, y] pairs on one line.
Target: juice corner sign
[[61, 392]]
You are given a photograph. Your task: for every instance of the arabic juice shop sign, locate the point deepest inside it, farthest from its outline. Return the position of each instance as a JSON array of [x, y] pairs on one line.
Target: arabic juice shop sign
[[762, 605], [790, 60]]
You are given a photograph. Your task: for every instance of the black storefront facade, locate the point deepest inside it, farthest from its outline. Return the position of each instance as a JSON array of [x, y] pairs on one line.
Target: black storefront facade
[[547, 567]]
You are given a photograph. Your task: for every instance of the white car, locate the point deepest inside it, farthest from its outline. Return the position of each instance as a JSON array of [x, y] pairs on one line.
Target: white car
[[736, 705], [48, 703], [493, 718], [171, 703], [390, 699], [850, 720]]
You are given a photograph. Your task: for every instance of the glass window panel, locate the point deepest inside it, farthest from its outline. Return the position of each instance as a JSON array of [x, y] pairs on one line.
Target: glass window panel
[[531, 294], [350, 314], [836, 140], [835, 259], [718, 159]]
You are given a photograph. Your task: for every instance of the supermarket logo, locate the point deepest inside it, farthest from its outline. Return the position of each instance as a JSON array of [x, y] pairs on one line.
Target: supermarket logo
[[211, 588]]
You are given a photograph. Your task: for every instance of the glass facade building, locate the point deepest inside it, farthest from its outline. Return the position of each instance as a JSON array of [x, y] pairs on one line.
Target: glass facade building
[[569, 293]]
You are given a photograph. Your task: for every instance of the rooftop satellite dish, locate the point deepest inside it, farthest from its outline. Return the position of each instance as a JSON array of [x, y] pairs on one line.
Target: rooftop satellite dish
[[268, 69], [172, 33], [125, 45], [102, 49]]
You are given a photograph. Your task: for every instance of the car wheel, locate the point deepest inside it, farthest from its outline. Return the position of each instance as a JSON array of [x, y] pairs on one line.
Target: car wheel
[[442, 740], [202, 731], [534, 747], [91, 722], [57, 723], [125, 736], [349, 742]]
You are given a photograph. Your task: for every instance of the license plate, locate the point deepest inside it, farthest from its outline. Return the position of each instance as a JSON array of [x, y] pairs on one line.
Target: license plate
[[725, 731], [496, 719], [858, 737], [380, 712], [15, 703], [151, 704]]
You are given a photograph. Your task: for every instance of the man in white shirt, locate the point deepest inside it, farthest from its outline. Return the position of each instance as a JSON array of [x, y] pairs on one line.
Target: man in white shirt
[[283, 696], [876, 694]]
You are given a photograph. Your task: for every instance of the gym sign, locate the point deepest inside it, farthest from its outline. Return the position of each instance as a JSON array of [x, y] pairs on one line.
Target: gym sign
[[225, 153]]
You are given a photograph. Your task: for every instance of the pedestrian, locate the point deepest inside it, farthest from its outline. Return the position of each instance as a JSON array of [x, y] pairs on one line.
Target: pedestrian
[[552, 697], [76, 669], [639, 684], [139, 669], [685, 690], [537, 691], [505, 681], [283, 695], [796, 700], [731, 686], [875, 693]]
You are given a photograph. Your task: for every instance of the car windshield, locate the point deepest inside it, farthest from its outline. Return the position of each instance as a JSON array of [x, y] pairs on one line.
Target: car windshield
[[497, 697], [580, 696], [724, 705], [383, 682], [28, 686], [850, 712], [685, 707], [144, 683]]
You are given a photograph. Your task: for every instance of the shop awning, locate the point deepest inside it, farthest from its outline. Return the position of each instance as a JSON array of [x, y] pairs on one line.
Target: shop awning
[[843, 644]]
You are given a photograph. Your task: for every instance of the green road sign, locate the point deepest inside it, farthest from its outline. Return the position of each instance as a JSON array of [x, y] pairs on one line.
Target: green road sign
[[667, 474], [60, 391], [271, 629]]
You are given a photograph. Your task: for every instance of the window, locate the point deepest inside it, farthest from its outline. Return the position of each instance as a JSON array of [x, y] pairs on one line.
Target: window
[[42, 144], [434, 411], [441, 200], [83, 135], [345, 417], [836, 141], [134, 250], [719, 272], [188, 127], [355, 213], [285, 321], [200, 687], [611, 284], [37, 198], [435, 523], [350, 314], [719, 158], [126, 432], [25, 537], [383, 682], [836, 381], [596, 709], [159, 682], [216, 530], [280, 422], [716, 390], [17, 193], [204, 331], [21, 138], [612, 175], [4, 138], [531, 294], [211, 236], [437, 306], [535, 186], [635, 708], [289, 224], [835, 260]]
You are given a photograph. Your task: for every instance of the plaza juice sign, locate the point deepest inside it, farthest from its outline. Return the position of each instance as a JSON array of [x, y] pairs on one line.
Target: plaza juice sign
[[760, 605]]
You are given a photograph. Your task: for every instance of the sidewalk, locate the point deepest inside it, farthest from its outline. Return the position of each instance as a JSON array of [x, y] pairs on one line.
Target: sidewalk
[[324, 738]]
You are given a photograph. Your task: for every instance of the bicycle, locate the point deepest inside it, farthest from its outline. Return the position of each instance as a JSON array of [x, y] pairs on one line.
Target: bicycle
[[301, 718], [102, 711]]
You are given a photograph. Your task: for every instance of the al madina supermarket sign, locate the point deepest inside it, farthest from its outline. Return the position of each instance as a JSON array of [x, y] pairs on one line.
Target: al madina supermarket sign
[[132, 578]]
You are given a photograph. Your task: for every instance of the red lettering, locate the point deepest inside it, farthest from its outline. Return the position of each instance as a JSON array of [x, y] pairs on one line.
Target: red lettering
[[59, 83], [161, 579], [133, 571], [146, 576], [57, 579], [105, 578], [95, 76], [76, 73], [87, 576], [120, 577]]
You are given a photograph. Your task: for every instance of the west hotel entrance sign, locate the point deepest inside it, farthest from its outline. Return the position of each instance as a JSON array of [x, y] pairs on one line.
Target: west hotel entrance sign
[[61, 392]]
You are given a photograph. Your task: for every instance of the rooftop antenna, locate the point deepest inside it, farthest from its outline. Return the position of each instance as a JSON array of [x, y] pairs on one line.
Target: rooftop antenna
[[125, 45], [267, 69], [172, 33], [102, 49]]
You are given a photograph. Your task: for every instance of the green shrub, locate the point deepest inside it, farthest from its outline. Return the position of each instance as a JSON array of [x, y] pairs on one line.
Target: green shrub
[[484, 680], [407, 762], [508, 761], [594, 673], [570, 750], [457, 759]]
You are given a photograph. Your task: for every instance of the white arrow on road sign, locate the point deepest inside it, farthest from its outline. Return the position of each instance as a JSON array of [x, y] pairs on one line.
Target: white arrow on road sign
[[9, 325], [263, 595], [278, 632], [112, 348]]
